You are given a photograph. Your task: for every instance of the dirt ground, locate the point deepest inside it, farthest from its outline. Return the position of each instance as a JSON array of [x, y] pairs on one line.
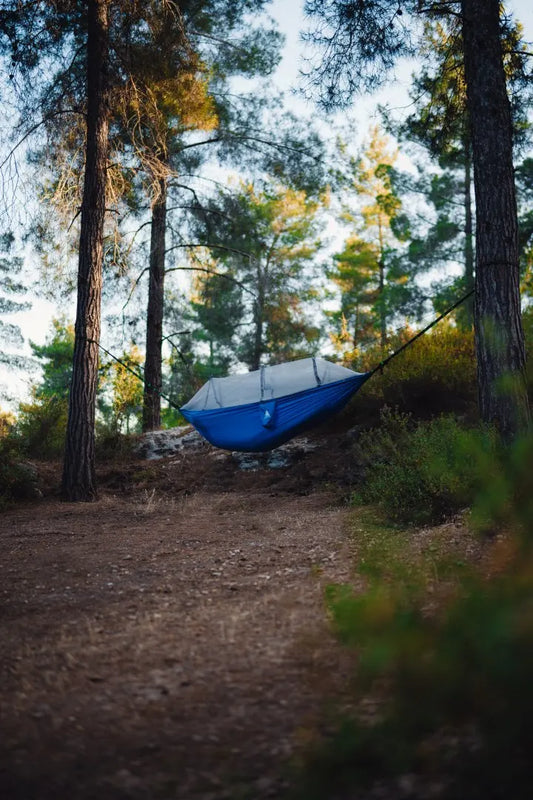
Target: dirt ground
[[170, 640]]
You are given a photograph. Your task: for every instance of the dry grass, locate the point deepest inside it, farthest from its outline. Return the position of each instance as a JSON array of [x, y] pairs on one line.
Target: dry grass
[[171, 638]]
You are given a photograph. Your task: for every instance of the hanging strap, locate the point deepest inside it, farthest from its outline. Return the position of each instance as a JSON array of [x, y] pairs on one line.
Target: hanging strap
[[138, 375], [381, 364], [377, 368]]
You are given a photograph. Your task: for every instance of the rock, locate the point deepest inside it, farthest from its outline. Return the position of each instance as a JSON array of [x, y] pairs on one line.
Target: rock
[[158, 444]]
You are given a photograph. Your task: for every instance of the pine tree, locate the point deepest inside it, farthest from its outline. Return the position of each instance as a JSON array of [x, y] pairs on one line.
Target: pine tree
[[12, 292], [360, 42], [126, 390], [167, 121], [42, 421], [440, 124], [216, 311], [266, 239], [367, 269], [89, 51], [55, 357]]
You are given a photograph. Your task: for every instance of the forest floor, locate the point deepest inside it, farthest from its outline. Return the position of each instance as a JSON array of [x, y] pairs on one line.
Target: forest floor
[[170, 640]]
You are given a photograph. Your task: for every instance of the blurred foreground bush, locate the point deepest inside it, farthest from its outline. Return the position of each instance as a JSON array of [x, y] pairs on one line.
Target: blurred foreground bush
[[451, 685]]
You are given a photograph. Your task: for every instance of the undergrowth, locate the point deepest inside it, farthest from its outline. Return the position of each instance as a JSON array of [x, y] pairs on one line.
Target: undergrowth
[[425, 471], [18, 478], [41, 427], [436, 375], [449, 681]]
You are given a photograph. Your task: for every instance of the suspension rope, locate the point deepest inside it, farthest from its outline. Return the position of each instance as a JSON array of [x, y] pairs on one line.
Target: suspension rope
[[139, 375], [378, 368], [381, 364]]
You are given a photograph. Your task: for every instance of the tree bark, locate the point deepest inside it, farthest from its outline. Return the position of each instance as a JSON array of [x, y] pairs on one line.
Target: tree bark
[[499, 336], [79, 483], [259, 319], [382, 316], [154, 321], [468, 306]]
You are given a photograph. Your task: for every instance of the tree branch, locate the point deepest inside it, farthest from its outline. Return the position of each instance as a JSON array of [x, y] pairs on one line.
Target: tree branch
[[213, 272], [210, 245], [218, 40], [34, 128]]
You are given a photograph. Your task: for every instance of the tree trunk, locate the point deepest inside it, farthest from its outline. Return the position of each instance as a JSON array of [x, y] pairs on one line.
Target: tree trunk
[[381, 290], [499, 336], [382, 316], [154, 320], [259, 314], [79, 482], [468, 306], [356, 334]]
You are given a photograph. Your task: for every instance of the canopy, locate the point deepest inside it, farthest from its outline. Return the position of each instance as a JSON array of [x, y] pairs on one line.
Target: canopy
[[260, 410]]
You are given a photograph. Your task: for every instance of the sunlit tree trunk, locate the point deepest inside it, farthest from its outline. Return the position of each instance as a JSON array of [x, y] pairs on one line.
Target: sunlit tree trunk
[[382, 315], [499, 336], [79, 465], [154, 321]]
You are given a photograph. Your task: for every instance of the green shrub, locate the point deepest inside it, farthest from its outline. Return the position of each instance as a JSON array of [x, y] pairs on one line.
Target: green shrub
[[435, 375], [42, 426], [111, 444], [422, 472], [18, 478], [458, 707]]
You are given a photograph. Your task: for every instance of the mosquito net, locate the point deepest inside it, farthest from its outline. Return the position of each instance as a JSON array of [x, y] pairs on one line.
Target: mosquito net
[[267, 383]]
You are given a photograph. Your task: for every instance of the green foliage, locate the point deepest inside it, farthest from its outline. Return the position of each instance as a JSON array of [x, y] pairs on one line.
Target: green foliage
[[111, 444], [459, 709], [424, 472], [527, 321], [42, 422], [55, 357], [216, 311], [264, 243], [185, 376], [7, 421], [524, 188], [123, 382], [450, 686], [440, 123], [18, 479], [369, 272], [505, 496], [42, 425], [12, 292], [434, 375]]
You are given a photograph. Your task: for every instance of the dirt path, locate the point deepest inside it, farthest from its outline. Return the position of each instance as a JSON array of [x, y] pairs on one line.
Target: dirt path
[[165, 646]]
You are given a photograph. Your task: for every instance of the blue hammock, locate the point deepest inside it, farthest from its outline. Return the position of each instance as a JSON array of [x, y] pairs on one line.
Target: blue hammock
[[262, 409]]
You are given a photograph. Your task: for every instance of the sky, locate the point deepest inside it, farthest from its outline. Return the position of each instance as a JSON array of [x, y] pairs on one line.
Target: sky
[[288, 14], [291, 20]]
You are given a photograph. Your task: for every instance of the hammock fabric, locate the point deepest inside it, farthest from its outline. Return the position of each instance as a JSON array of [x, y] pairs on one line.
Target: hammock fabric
[[260, 410]]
